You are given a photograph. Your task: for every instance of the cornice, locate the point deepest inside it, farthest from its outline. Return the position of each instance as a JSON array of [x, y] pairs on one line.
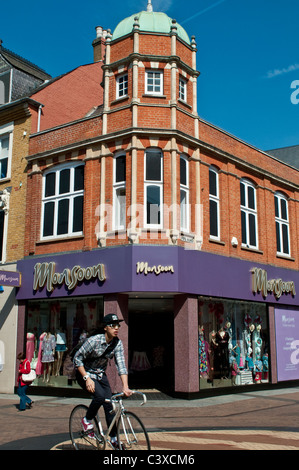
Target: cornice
[[169, 133]]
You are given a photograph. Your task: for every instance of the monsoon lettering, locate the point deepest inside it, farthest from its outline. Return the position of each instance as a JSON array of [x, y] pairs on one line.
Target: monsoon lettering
[[45, 274], [261, 283]]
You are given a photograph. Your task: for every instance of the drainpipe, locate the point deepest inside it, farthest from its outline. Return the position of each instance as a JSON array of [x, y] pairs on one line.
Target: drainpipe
[[39, 117]]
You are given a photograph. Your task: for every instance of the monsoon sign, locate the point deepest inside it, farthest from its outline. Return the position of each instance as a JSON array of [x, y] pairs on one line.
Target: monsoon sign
[[10, 279]]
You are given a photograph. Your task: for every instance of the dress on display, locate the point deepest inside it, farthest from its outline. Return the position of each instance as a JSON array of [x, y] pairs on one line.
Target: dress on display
[[203, 353], [48, 345], [30, 346], [60, 341], [39, 366], [221, 357]]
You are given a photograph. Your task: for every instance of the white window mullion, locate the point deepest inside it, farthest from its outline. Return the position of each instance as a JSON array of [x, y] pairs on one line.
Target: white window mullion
[[249, 215], [56, 198]]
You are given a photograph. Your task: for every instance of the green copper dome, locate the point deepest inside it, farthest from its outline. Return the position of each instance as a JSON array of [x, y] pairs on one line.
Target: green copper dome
[[151, 21]]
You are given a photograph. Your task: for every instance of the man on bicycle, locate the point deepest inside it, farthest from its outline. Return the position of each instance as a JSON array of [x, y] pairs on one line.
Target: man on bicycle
[[91, 363]]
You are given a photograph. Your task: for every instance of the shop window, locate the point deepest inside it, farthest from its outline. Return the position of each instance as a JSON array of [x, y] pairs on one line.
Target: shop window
[[63, 193], [5, 150], [248, 214], [153, 188], [122, 85], [119, 192], [154, 82], [214, 203], [54, 328], [184, 193], [282, 224], [233, 343]]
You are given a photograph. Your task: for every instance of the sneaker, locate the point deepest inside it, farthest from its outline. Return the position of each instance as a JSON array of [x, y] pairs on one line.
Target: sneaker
[[87, 425], [91, 435], [114, 444]]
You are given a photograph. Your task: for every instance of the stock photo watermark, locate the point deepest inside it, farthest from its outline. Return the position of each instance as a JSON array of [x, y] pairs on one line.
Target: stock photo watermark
[[157, 221], [295, 93]]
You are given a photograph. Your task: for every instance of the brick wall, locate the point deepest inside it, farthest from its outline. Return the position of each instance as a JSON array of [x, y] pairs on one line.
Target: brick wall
[[233, 158], [17, 184]]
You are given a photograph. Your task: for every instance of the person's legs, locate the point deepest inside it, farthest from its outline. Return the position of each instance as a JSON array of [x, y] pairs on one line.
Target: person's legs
[[23, 397], [102, 391]]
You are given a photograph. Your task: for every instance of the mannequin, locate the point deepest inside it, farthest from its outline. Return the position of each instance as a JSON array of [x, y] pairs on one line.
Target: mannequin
[[212, 349], [234, 370], [48, 348], [39, 366], [60, 349], [265, 361], [203, 350], [221, 358], [249, 360], [258, 368], [30, 346]]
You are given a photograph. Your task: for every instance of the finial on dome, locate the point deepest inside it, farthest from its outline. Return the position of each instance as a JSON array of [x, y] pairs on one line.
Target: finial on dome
[[149, 5]]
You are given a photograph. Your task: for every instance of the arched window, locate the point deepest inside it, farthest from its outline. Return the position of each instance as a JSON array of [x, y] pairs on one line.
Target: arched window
[[248, 214], [119, 192], [63, 194], [184, 193], [153, 188], [214, 203], [282, 224]]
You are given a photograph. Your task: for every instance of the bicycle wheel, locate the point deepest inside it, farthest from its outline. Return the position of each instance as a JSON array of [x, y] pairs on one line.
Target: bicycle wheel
[[83, 440], [131, 433]]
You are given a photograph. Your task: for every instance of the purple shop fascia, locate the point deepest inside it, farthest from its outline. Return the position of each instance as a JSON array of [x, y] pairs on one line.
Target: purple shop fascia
[[176, 271]]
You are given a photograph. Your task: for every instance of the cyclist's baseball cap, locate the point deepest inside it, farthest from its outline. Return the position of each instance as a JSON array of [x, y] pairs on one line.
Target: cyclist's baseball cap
[[110, 319]]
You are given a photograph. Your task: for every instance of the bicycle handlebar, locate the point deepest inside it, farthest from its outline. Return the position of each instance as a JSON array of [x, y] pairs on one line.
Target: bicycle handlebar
[[117, 396]]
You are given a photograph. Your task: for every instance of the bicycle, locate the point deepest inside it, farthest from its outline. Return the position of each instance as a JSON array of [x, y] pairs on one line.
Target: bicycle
[[131, 432]]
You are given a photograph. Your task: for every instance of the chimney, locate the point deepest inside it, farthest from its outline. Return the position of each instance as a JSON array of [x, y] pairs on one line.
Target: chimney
[[98, 44]]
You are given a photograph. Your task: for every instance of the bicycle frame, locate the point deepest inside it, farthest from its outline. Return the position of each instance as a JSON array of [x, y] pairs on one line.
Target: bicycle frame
[[119, 410]]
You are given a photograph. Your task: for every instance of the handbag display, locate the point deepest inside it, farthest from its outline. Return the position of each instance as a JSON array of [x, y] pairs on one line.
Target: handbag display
[[29, 377]]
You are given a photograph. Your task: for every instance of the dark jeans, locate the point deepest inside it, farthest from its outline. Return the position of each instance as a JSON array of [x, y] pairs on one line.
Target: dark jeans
[[102, 391], [21, 391]]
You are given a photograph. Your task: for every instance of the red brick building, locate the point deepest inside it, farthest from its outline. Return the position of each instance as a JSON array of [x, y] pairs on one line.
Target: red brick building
[[188, 222]]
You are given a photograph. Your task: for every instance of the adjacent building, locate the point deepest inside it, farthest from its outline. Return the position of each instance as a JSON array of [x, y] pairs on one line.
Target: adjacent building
[[30, 101]]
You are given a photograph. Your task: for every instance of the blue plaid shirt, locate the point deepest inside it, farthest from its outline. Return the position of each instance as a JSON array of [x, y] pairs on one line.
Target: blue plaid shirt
[[92, 349]]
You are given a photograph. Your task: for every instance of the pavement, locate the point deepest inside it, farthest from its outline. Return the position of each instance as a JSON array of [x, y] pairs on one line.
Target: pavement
[[255, 420]]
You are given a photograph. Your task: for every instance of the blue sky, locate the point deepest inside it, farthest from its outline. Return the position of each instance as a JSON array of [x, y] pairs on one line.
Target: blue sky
[[248, 54]]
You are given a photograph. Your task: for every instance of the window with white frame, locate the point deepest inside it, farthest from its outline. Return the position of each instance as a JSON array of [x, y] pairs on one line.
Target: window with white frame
[[5, 87], [122, 85], [119, 192], [282, 224], [153, 188], [6, 134], [182, 89], [63, 194], [248, 214], [154, 82], [214, 203], [184, 193]]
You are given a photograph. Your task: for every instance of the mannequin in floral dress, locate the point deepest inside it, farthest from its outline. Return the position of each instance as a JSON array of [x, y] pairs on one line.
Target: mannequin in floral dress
[[48, 349]]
